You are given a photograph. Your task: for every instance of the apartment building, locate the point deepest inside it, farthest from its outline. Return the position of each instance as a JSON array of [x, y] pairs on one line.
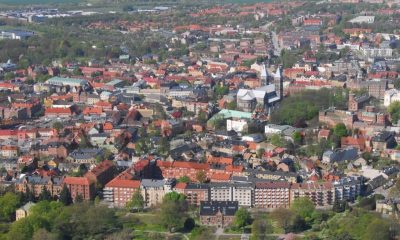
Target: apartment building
[[242, 193], [195, 193], [120, 191], [321, 194], [272, 194], [80, 186], [348, 188], [154, 190]]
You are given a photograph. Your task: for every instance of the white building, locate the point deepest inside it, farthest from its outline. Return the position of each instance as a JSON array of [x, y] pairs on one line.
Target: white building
[[237, 125], [377, 52], [391, 95], [243, 194], [219, 192], [363, 19], [16, 34], [72, 82]]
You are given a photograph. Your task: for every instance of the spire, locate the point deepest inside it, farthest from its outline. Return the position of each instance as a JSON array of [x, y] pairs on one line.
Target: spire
[[264, 74], [278, 73]]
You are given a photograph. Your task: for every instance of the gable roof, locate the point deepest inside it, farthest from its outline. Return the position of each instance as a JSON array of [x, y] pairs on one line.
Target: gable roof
[[227, 208]]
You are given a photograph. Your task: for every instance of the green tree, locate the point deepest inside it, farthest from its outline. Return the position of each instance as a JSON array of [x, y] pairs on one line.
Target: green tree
[[78, 198], [259, 229], [173, 211], [137, 201], [340, 130], [395, 190], [9, 76], [260, 152], [377, 229], [184, 179], [297, 138], [277, 140], [45, 195], [201, 176], [65, 196], [58, 126], [97, 200], [141, 146], [84, 143], [242, 218], [303, 207], [217, 122], [77, 72], [231, 105], [9, 202], [221, 90], [283, 218], [202, 117], [43, 234], [164, 146], [394, 110], [21, 230]]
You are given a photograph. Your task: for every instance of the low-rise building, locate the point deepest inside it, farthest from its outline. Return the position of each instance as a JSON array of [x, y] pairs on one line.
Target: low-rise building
[[218, 213], [24, 211]]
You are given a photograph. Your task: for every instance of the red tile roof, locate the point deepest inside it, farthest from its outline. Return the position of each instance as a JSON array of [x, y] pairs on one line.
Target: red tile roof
[[58, 111], [102, 167], [180, 185], [180, 164], [221, 176], [8, 132], [93, 110], [232, 168], [123, 183], [76, 181]]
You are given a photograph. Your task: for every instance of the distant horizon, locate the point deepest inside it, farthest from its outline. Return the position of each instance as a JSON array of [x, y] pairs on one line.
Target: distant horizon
[[30, 2]]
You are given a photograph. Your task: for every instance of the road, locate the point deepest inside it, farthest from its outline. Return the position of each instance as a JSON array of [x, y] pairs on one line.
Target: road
[[277, 48]]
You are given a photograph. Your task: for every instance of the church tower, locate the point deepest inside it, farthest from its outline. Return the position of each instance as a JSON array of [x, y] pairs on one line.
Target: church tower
[[278, 82]]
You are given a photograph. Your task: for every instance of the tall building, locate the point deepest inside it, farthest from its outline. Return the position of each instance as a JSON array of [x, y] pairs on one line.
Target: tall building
[[80, 186], [272, 195]]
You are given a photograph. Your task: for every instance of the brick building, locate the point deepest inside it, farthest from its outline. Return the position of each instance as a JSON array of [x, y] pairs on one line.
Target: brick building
[[195, 193], [218, 213], [35, 185], [119, 191], [102, 173], [179, 169], [80, 186]]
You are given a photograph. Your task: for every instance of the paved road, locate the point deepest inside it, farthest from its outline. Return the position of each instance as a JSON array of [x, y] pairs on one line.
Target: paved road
[[277, 48]]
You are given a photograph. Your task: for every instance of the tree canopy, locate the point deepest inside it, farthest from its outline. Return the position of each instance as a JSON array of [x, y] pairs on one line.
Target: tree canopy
[[303, 207], [137, 201], [242, 218], [394, 110], [173, 211]]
